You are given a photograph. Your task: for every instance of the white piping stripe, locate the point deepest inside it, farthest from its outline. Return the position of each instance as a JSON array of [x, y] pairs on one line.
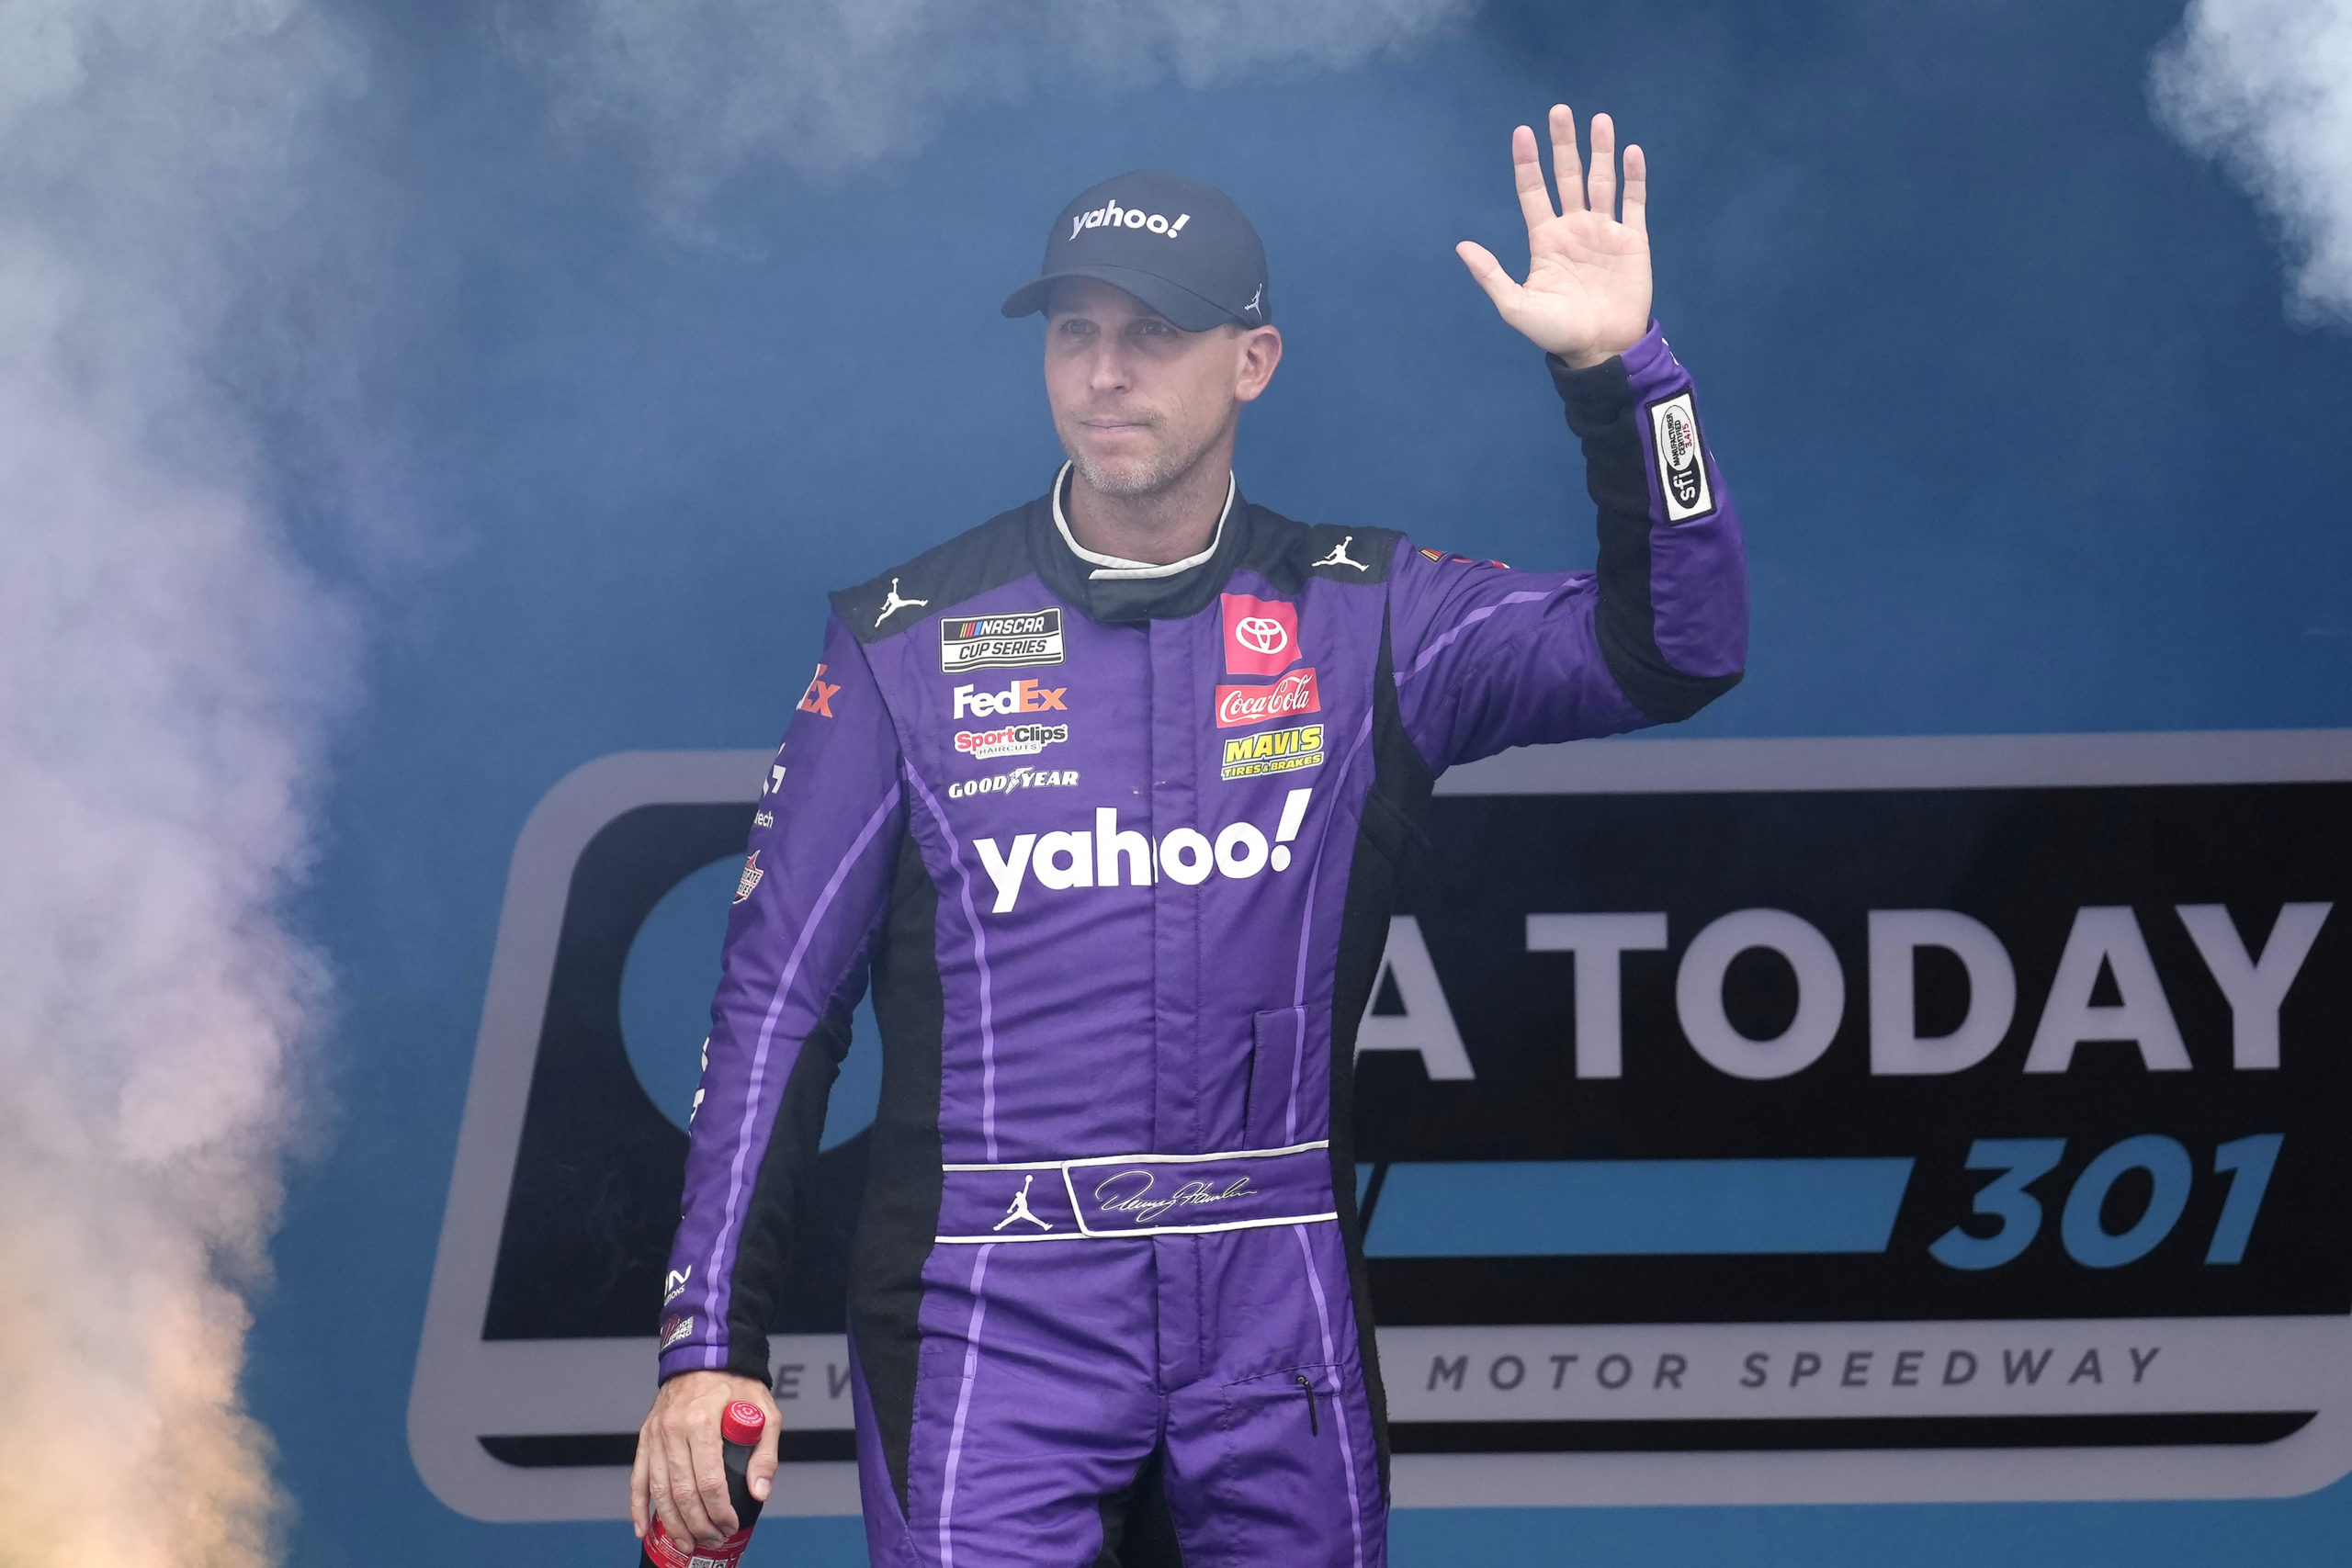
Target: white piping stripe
[[1140, 1234], [1339, 1393], [715, 1279], [963, 1407], [1146, 1159]]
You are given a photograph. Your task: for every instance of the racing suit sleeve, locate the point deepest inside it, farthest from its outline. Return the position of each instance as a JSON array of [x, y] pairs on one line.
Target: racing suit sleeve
[[793, 965], [1487, 657]]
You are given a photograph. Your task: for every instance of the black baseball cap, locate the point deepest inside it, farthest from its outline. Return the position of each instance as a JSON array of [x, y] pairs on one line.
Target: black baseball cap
[[1180, 246]]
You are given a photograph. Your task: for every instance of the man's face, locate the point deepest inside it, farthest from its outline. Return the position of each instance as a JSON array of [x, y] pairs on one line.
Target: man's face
[[1136, 400]]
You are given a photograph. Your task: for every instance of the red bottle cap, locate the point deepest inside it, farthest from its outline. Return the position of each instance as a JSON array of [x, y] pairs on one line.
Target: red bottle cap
[[744, 1423]]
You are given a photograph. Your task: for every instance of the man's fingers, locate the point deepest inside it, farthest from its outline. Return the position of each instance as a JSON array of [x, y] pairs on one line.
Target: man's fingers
[[1604, 183], [637, 1478], [1500, 285], [693, 1521], [1534, 201], [757, 1474], [657, 1491], [1637, 189], [710, 1480], [1566, 170]]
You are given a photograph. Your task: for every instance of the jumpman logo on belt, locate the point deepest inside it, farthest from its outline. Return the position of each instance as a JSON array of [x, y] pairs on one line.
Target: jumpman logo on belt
[[1020, 1209], [892, 603], [1339, 556]]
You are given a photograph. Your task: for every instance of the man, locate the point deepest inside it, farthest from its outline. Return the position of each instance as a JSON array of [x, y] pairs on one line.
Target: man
[[1108, 796]]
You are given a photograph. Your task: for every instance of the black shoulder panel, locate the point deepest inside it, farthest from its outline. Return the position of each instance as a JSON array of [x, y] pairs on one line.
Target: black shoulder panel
[[1601, 411], [1286, 553], [995, 553]]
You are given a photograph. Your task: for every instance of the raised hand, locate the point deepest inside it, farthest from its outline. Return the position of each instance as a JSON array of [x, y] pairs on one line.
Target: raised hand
[[1587, 291]]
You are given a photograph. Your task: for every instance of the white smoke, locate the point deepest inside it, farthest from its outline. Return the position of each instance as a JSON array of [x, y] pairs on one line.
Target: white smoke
[[172, 274], [2264, 86], [166, 673], [702, 88]]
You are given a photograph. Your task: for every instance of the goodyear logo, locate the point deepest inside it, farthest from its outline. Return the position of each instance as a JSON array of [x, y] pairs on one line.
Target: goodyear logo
[[1275, 752]]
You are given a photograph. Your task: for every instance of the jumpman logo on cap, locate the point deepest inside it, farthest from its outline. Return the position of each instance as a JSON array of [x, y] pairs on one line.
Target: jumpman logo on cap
[[892, 604], [1020, 1209], [1252, 306]]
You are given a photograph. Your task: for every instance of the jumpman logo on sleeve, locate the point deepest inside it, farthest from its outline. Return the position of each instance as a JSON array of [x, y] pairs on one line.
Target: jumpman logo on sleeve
[[1339, 556], [892, 603], [1020, 1209]]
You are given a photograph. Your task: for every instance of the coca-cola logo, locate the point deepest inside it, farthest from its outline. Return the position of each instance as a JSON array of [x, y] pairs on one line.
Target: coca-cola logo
[[1295, 692], [1262, 634]]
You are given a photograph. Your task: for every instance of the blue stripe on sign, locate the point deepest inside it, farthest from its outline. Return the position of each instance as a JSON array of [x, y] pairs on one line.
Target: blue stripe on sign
[[1627, 1208]]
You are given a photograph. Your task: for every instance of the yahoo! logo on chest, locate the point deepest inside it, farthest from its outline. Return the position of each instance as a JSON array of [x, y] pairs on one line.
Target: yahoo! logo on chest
[[1062, 861]]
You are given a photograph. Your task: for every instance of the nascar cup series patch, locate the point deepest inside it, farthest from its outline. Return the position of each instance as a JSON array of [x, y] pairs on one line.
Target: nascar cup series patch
[[984, 642]]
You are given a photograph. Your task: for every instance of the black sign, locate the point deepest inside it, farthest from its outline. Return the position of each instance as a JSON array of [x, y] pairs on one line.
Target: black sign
[[1912, 1098]]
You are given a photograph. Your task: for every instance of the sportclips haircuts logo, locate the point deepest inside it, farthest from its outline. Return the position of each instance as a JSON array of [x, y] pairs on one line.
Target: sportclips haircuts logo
[[1113, 216], [1061, 861], [1014, 741]]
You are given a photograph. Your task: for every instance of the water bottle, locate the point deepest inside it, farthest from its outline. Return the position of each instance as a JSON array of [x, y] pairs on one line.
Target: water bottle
[[739, 1434]]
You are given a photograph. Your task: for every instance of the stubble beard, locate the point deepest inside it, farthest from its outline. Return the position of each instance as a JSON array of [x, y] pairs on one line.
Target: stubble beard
[[1135, 477]]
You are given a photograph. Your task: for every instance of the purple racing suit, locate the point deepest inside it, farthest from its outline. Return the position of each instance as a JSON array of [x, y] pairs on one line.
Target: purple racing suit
[[1116, 849]]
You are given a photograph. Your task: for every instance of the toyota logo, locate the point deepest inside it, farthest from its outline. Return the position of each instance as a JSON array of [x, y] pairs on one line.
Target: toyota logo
[[1261, 634]]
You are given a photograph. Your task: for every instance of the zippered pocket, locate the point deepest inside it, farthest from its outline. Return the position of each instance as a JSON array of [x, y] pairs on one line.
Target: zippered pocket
[[1292, 1458], [1306, 1386]]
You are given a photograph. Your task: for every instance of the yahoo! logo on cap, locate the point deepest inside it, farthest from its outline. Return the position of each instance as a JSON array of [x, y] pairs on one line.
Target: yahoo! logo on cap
[[1113, 216]]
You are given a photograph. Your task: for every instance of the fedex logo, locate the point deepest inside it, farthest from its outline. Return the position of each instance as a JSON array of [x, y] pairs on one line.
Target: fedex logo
[[1021, 696], [1260, 634], [817, 699]]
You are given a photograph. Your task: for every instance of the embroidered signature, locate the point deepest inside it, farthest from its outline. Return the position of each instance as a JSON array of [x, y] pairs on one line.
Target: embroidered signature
[[1129, 1192]]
